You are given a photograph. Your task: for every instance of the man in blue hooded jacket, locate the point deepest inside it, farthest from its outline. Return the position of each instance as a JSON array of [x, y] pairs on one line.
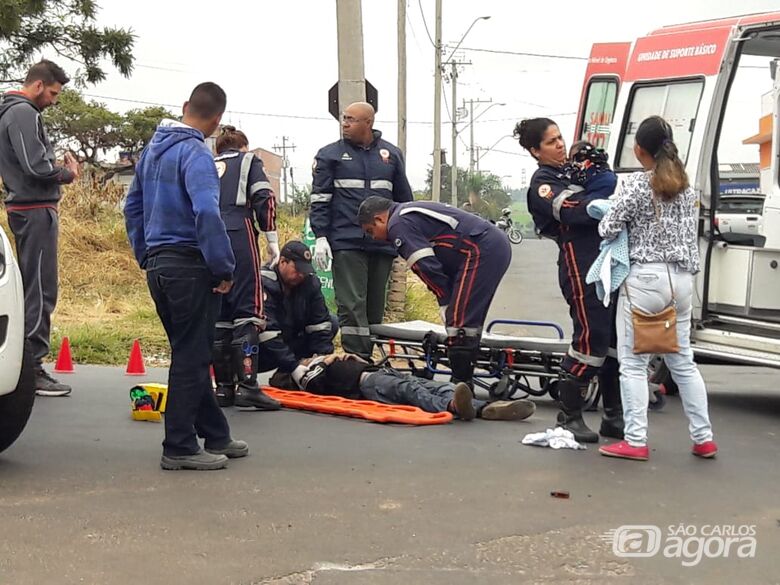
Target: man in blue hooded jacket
[[174, 225]]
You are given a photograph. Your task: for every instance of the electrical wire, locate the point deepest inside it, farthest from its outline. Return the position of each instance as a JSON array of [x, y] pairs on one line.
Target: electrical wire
[[425, 24], [523, 54]]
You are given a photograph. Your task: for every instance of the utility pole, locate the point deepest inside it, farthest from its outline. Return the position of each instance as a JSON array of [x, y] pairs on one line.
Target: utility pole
[[453, 62], [472, 159], [402, 76], [284, 147], [436, 179], [352, 78]]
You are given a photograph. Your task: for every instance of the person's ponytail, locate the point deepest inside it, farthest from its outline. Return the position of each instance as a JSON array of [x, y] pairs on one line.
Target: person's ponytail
[[669, 178]]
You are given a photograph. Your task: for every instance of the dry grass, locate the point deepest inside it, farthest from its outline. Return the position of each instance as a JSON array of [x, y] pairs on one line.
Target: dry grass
[[104, 303]]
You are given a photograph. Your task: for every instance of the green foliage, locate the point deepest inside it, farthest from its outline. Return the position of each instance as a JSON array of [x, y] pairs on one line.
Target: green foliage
[[87, 128], [483, 191], [65, 28], [138, 127]]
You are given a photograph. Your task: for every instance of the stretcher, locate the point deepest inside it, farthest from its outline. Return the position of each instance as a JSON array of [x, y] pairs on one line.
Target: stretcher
[[365, 409], [508, 366]]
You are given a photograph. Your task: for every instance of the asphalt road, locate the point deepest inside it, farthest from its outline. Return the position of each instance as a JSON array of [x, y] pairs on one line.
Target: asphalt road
[[326, 500]]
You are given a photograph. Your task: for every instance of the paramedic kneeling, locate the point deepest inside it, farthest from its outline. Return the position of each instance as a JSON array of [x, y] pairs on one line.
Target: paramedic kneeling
[[447, 248]]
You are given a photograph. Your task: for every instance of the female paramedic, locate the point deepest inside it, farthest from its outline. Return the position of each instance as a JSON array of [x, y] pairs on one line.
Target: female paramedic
[[557, 206], [246, 202]]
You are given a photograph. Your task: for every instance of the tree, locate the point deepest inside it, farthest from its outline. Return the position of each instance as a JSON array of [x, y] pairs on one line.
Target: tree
[[138, 127], [85, 128], [29, 28], [485, 193]]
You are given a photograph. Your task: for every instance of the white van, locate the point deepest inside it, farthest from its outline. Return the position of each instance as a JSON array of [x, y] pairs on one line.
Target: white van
[[717, 83], [17, 376]]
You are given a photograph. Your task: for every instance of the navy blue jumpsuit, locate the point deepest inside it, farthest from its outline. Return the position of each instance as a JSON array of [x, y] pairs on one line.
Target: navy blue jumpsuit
[[248, 206]]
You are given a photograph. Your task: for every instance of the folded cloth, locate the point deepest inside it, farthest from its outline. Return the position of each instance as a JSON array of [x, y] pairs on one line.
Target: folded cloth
[[557, 438], [613, 264]]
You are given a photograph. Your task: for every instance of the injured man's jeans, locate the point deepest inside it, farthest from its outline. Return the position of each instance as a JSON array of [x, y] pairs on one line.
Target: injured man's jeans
[[392, 387]]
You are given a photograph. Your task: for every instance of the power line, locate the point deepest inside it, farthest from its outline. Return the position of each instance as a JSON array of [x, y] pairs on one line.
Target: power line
[[521, 54], [425, 24]]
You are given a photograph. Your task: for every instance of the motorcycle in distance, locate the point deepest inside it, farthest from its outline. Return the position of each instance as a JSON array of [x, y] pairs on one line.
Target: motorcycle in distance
[[506, 224]]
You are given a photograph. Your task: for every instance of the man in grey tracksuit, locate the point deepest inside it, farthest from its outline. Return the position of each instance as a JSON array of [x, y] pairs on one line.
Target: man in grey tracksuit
[[32, 183]]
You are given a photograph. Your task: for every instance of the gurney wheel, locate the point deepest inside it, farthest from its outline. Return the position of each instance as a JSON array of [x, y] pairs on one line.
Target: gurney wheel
[[501, 390], [591, 399], [552, 390]]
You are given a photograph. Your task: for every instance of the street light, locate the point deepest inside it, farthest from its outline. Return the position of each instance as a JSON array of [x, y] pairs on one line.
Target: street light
[[436, 182]]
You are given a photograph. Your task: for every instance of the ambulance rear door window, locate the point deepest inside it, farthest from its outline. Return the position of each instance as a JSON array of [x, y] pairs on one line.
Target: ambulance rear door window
[[677, 103], [599, 111]]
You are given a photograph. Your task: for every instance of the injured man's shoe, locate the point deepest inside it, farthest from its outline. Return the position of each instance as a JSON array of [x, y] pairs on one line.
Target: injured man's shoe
[[508, 410], [462, 403]]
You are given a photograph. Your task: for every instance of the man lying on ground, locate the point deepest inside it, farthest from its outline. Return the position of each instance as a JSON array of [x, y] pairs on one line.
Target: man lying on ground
[[350, 376]]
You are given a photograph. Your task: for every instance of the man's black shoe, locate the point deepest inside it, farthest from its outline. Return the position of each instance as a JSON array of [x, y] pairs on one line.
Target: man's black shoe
[[254, 397], [45, 385]]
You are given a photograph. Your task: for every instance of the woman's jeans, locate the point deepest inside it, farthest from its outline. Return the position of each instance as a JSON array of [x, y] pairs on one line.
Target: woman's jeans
[[649, 290]]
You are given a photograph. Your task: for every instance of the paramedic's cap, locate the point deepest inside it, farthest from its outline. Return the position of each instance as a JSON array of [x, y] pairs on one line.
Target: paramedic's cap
[[299, 253]]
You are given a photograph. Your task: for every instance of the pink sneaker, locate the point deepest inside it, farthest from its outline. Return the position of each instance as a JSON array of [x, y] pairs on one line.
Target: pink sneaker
[[625, 451], [707, 449]]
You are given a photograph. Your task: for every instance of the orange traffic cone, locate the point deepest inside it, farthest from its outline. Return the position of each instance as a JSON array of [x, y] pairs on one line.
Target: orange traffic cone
[[64, 363], [135, 365]]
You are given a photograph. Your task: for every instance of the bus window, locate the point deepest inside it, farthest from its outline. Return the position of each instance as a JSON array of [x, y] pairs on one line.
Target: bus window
[[676, 102], [599, 111]]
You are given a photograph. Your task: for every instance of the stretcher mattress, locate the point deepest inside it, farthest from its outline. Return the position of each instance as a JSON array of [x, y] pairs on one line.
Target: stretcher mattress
[[417, 330]]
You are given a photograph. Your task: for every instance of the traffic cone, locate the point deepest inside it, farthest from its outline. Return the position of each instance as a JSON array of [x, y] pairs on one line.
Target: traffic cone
[[135, 365], [64, 363]]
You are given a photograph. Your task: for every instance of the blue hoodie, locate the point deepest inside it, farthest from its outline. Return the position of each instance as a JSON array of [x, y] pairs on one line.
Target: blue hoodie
[[174, 200]]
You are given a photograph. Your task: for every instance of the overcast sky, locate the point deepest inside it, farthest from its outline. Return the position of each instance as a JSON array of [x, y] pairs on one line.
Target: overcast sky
[[277, 59]]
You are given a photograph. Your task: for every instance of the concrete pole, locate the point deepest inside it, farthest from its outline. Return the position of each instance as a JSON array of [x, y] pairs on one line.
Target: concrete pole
[[454, 168], [436, 179], [402, 76], [352, 77], [471, 140]]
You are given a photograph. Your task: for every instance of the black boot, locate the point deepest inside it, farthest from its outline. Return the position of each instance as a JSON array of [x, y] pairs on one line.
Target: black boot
[[462, 354], [570, 418], [245, 362], [223, 367], [609, 386]]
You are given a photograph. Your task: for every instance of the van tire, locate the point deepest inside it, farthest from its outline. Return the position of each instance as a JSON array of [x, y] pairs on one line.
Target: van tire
[[15, 408]]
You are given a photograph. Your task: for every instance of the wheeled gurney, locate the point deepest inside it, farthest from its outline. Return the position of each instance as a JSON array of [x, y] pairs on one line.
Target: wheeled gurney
[[508, 366]]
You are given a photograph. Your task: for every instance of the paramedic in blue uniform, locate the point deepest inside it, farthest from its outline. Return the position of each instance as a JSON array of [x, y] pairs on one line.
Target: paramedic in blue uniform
[[346, 172], [247, 206], [558, 207], [298, 323], [459, 256]]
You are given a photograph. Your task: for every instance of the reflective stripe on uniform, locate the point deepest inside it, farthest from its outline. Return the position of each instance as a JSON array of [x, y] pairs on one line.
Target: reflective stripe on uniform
[[419, 255], [324, 326], [259, 186], [382, 184], [450, 221], [557, 203], [267, 336], [269, 274], [224, 325], [243, 178], [588, 360], [359, 331], [226, 156], [244, 320], [321, 197], [349, 183]]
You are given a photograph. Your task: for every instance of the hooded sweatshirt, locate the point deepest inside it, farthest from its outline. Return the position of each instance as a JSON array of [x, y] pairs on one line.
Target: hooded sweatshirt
[[27, 162], [174, 200]]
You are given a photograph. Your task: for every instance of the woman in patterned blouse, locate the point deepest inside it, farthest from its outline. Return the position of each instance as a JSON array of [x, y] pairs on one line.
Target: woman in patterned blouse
[[660, 211]]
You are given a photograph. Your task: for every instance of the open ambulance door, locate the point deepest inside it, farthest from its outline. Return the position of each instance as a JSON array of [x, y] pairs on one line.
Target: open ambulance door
[[603, 77], [684, 74]]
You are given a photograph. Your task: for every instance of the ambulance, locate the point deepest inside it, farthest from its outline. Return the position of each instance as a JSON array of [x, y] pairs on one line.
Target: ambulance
[[717, 83]]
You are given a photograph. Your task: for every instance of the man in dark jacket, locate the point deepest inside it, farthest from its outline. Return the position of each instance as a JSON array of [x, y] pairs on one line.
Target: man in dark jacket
[[174, 225], [32, 181], [359, 165], [298, 323]]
